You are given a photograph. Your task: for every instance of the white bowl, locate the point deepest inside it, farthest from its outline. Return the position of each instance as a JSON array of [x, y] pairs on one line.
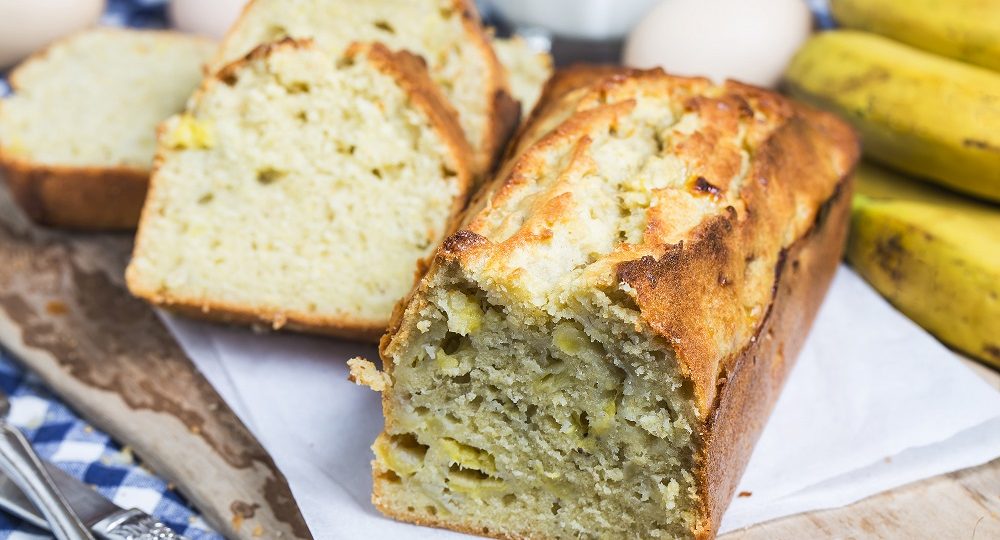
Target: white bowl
[[587, 19]]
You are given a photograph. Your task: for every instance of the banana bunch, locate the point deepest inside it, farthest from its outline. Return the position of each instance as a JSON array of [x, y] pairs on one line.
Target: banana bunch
[[933, 254], [920, 81]]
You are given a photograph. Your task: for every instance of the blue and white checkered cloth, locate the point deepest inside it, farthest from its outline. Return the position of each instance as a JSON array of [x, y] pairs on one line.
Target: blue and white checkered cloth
[[63, 438]]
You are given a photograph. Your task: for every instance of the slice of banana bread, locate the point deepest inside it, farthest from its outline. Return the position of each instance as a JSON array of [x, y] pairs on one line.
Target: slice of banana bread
[[446, 33], [527, 70], [594, 353], [78, 134], [301, 189]]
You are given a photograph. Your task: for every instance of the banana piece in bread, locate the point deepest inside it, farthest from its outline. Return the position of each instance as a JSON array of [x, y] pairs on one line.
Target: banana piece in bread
[[301, 189], [595, 351], [447, 34], [78, 134]]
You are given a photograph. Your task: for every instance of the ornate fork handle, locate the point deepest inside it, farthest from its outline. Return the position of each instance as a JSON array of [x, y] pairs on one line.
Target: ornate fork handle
[[133, 525]]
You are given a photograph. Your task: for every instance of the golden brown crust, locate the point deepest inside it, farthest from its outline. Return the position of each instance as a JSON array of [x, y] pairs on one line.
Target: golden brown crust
[[78, 197], [754, 380], [228, 313], [734, 296], [83, 198], [411, 75]]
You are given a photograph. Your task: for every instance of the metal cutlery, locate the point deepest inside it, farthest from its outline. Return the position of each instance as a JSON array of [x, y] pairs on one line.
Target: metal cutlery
[[65, 502]]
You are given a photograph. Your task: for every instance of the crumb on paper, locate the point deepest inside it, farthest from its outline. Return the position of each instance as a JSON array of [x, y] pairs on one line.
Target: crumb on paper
[[364, 373], [258, 531], [745, 494]]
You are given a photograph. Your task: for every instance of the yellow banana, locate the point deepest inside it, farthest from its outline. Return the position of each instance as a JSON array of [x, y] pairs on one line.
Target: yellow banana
[[933, 254], [967, 30], [924, 114]]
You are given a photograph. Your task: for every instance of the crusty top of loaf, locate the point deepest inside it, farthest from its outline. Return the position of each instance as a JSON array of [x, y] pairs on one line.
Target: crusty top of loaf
[[673, 196]]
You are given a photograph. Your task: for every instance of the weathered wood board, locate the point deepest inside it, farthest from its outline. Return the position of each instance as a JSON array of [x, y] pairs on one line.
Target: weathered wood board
[[65, 314]]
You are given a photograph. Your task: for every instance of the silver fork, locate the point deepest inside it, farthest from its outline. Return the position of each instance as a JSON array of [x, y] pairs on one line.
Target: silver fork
[[23, 466]]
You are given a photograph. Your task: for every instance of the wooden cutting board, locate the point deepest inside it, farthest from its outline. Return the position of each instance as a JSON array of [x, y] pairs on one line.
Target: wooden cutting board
[[65, 314]]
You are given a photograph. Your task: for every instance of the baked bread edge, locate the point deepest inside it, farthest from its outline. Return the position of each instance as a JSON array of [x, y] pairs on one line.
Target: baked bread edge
[[410, 73], [87, 198]]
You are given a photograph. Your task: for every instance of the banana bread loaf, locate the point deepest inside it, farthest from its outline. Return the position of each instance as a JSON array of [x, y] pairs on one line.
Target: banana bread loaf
[[594, 353], [301, 189]]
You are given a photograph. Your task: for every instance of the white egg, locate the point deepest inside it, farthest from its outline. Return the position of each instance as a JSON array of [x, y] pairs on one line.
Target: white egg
[[206, 18], [747, 40], [28, 25]]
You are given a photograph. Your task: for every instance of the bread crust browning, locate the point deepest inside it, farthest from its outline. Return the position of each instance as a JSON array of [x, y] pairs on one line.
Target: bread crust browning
[[82, 198], [791, 211], [410, 73]]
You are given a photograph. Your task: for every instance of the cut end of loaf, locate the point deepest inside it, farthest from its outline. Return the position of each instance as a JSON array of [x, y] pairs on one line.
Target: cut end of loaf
[[524, 424], [300, 190]]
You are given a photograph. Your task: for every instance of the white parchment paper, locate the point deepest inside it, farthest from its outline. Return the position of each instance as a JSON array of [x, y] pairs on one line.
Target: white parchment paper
[[873, 403]]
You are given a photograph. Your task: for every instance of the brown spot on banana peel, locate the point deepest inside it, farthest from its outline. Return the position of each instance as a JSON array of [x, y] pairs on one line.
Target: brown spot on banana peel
[[888, 251], [981, 145]]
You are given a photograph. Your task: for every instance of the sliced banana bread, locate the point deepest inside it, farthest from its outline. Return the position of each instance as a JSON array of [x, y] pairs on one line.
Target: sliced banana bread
[[78, 134], [446, 33], [594, 353], [527, 70], [301, 189]]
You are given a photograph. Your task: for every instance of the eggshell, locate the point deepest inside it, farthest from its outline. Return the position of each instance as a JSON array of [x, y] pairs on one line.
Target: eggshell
[[747, 40], [206, 18], [29, 25]]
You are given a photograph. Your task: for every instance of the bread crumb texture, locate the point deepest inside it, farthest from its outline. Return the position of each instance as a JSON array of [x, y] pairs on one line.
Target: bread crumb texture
[[544, 382], [94, 99], [445, 33], [299, 189]]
